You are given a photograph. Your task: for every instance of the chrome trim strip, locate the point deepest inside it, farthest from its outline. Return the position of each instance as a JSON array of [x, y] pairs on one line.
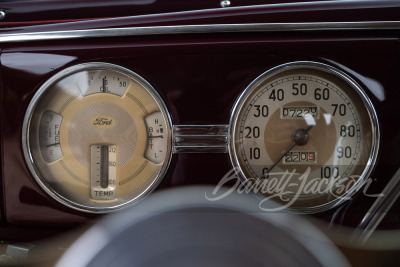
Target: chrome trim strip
[[197, 29], [200, 138], [2, 14], [380, 208]]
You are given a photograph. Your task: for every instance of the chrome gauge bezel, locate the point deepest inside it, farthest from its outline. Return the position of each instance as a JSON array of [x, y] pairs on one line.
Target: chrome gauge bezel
[[254, 85], [27, 123]]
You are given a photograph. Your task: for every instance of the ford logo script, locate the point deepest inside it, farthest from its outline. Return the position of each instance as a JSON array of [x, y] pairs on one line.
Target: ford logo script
[[103, 122]]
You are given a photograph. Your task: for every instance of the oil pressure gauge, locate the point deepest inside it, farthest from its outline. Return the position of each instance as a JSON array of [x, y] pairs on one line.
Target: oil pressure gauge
[[97, 137], [304, 134]]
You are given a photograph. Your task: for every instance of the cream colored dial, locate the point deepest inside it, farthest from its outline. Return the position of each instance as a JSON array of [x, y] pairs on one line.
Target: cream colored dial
[[88, 137], [305, 134]]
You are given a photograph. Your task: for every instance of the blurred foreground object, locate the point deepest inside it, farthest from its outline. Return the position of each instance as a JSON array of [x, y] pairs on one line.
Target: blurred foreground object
[[180, 227]]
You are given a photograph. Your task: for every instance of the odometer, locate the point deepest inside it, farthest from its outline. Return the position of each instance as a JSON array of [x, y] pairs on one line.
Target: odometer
[[305, 134]]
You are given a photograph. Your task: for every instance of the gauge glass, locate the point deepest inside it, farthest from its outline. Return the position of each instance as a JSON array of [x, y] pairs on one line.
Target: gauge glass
[[304, 134], [97, 137]]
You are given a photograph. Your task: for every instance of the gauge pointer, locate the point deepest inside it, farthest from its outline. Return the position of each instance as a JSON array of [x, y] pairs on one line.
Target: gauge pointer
[[300, 137], [53, 144], [156, 136], [105, 85]]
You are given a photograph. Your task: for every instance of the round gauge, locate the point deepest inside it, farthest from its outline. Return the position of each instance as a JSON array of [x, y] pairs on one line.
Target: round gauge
[[305, 135], [97, 137]]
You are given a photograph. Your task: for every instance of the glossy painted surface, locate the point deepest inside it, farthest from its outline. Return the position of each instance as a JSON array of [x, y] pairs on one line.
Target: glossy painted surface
[[200, 77], [318, 11], [39, 10]]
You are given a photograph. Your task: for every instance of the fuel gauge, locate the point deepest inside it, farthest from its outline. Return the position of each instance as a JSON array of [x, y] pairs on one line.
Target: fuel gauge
[[49, 136]]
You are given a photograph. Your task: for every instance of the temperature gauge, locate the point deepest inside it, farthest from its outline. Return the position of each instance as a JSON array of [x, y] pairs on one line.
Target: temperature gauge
[[103, 171]]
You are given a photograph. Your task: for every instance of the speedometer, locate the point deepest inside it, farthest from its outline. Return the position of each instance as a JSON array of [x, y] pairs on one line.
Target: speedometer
[[304, 134], [97, 137]]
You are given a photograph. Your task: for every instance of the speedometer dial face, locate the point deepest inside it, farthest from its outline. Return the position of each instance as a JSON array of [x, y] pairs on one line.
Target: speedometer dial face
[[97, 137], [304, 134]]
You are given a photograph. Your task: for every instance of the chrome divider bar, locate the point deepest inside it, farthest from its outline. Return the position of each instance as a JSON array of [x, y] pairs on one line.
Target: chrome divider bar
[[379, 209], [200, 138], [197, 29]]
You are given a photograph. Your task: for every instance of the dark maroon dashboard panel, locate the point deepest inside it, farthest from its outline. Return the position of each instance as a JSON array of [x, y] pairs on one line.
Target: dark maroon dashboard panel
[[199, 77], [288, 12]]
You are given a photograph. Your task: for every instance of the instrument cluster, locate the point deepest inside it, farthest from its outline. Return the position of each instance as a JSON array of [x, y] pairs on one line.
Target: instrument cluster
[[98, 137]]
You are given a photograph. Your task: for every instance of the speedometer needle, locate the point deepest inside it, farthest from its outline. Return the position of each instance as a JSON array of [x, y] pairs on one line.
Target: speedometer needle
[[300, 138]]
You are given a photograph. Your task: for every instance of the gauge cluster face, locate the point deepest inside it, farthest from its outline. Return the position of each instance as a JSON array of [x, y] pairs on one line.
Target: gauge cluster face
[[97, 137], [305, 134]]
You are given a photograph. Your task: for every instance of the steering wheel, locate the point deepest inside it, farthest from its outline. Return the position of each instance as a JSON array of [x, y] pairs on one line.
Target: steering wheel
[[184, 227]]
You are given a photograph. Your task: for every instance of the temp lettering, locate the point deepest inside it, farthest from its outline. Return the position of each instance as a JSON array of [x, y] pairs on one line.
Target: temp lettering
[[104, 193]]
